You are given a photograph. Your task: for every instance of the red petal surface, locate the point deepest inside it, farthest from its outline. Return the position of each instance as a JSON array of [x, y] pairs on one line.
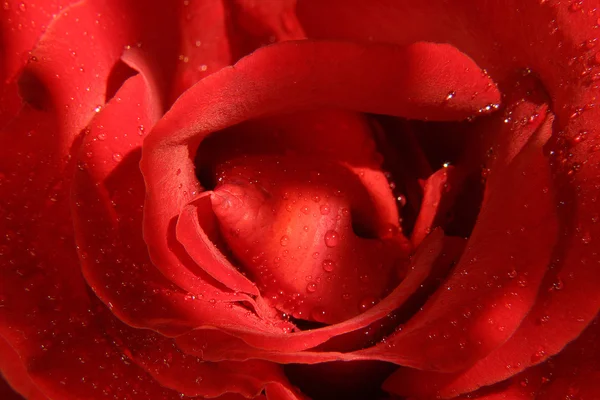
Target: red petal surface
[[335, 135], [194, 227], [46, 313], [287, 347], [289, 221], [13, 370], [556, 41], [495, 283], [169, 189], [190, 375], [439, 193], [21, 25]]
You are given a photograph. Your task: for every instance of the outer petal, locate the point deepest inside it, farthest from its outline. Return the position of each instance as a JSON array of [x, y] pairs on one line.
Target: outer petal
[[495, 283], [556, 40]]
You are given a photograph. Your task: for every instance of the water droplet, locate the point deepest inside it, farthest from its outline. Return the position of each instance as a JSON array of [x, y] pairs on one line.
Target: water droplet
[[101, 136], [367, 303], [305, 210], [512, 273], [311, 287], [450, 95], [522, 282], [318, 314], [117, 157], [284, 240], [332, 238], [364, 278], [586, 238], [575, 6], [98, 108], [581, 136], [346, 296], [315, 255], [401, 200], [328, 265], [538, 355], [141, 130], [558, 284], [324, 209], [23, 7]]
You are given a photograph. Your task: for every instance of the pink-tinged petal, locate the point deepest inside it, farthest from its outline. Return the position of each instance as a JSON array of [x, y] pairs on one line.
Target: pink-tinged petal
[[495, 284], [14, 372], [439, 193], [192, 225]]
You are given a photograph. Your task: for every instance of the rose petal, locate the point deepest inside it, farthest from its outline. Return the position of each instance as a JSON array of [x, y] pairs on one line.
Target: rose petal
[[15, 373], [439, 193], [108, 199], [289, 221], [164, 202], [192, 235], [160, 357], [21, 25], [494, 285], [288, 347], [562, 54]]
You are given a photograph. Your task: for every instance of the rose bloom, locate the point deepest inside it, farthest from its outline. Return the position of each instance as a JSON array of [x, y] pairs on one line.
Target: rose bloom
[[280, 199]]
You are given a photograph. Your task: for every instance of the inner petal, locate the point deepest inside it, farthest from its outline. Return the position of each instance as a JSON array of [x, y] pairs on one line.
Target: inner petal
[[291, 224]]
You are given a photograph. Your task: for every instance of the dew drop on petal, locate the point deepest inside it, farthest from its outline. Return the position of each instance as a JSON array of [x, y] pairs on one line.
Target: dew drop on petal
[[324, 209], [538, 355], [328, 265], [367, 303], [284, 240], [311, 287], [318, 314], [332, 238]]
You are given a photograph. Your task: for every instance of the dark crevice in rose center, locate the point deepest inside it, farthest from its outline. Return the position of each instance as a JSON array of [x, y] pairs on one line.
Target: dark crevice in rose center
[[341, 380], [412, 151], [273, 203]]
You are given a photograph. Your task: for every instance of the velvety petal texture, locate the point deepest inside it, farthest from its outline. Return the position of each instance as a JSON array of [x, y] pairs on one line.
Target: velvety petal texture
[[297, 199]]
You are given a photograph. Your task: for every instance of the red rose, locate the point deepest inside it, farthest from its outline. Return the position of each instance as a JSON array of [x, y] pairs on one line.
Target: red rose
[[384, 200]]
